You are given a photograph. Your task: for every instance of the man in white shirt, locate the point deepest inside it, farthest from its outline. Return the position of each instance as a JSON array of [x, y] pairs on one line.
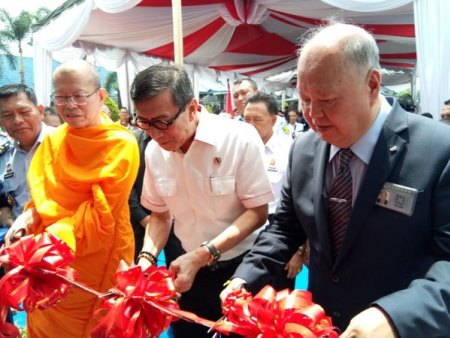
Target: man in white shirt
[[261, 112], [207, 173], [294, 126]]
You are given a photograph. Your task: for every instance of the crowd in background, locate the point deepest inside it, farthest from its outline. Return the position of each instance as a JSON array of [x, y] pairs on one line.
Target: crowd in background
[[237, 198]]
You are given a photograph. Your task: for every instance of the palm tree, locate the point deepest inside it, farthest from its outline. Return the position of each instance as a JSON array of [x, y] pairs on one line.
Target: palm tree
[[16, 30], [5, 50]]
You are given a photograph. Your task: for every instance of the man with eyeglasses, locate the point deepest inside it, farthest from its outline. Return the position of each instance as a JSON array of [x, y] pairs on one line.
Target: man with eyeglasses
[[207, 173], [80, 179]]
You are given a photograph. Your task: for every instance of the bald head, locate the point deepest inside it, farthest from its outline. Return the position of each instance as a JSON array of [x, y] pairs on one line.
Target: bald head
[[78, 96], [78, 68]]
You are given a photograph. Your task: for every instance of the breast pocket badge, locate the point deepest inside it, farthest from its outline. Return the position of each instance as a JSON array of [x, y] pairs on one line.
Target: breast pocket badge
[[398, 198]]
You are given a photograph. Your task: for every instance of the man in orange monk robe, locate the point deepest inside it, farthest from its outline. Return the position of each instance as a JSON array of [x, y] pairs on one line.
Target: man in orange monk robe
[[80, 179]]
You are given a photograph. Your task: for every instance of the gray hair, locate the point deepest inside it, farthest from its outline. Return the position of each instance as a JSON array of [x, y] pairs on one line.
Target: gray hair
[[155, 79], [359, 48]]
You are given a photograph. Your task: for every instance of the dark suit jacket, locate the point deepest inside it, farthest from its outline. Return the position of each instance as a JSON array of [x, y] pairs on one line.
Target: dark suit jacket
[[137, 211], [398, 262]]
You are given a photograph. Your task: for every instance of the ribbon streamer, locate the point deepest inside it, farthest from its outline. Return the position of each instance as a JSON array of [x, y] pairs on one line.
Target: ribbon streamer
[[271, 314], [34, 263], [143, 303], [130, 304]]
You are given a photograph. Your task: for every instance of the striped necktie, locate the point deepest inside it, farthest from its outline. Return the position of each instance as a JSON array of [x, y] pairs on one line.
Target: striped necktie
[[340, 201]]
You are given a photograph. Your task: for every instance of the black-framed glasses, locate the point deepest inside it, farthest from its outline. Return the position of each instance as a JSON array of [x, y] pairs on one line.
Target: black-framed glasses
[[79, 99], [158, 124]]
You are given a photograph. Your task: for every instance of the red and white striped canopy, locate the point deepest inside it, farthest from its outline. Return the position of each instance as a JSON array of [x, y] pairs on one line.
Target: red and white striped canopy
[[251, 37]]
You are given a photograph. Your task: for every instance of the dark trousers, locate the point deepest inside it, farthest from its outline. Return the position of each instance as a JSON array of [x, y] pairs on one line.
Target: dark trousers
[[203, 298], [139, 234]]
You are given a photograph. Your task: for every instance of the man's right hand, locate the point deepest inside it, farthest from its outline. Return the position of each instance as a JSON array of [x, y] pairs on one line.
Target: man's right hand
[[17, 230], [235, 284]]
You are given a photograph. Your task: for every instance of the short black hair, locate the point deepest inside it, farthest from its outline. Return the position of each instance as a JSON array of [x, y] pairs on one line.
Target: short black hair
[[447, 102], [10, 90], [157, 78], [269, 100]]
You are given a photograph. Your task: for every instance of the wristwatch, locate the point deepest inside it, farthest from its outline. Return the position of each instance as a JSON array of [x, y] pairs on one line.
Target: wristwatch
[[215, 253]]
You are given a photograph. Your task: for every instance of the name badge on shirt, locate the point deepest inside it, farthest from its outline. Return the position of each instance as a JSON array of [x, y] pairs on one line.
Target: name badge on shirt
[[8, 175], [272, 166], [398, 198]]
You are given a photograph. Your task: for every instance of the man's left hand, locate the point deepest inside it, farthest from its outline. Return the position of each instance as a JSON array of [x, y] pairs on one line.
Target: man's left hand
[[185, 268], [370, 323]]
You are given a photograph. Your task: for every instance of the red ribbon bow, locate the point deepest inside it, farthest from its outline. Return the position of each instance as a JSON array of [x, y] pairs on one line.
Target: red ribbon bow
[[136, 306], [35, 264], [286, 314]]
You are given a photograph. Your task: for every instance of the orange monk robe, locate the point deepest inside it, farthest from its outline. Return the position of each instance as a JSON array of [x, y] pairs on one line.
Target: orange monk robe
[[80, 180]]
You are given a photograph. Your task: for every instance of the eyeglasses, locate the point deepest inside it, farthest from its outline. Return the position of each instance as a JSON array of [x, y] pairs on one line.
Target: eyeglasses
[[79, 99], [158, 124]]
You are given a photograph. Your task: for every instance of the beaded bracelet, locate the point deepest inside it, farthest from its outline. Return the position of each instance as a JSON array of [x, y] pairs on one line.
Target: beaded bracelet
[[148, 256]]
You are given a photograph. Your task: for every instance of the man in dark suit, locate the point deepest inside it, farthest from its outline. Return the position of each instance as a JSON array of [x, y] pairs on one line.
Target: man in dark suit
[[386, 273]]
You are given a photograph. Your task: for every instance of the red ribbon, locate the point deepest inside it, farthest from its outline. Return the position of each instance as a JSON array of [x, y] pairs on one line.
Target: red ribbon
[[135, 304], [286, 314], [143, 303], [34, 263]]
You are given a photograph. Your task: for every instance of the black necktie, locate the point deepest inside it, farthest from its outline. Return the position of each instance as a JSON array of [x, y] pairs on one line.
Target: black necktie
[[340, 201]]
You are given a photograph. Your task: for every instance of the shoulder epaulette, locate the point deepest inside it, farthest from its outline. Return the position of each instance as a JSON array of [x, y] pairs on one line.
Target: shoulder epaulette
[[4, 147]]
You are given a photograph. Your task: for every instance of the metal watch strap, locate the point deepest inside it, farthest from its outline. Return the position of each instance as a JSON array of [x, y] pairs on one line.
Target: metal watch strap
[[215, 253]]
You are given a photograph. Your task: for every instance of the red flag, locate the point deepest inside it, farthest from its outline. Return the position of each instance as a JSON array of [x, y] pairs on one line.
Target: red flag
[[228, 103]]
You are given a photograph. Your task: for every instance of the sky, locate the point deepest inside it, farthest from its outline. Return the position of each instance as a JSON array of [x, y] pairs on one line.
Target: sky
[[14, 7]]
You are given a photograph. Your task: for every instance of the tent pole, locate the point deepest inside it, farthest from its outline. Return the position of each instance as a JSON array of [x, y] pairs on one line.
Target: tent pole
[[177, 19]]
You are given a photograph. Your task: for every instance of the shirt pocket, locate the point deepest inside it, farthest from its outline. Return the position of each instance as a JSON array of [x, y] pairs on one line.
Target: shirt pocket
[[220, 186], [166, 186]]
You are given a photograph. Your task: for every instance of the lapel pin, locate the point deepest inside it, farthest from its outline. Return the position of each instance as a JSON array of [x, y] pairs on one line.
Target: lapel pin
[[393, 149], [217, 160]]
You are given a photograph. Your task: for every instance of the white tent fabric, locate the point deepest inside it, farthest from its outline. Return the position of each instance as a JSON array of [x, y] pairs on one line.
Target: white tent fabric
[[433, 47], [367, 6], [117, 41]]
